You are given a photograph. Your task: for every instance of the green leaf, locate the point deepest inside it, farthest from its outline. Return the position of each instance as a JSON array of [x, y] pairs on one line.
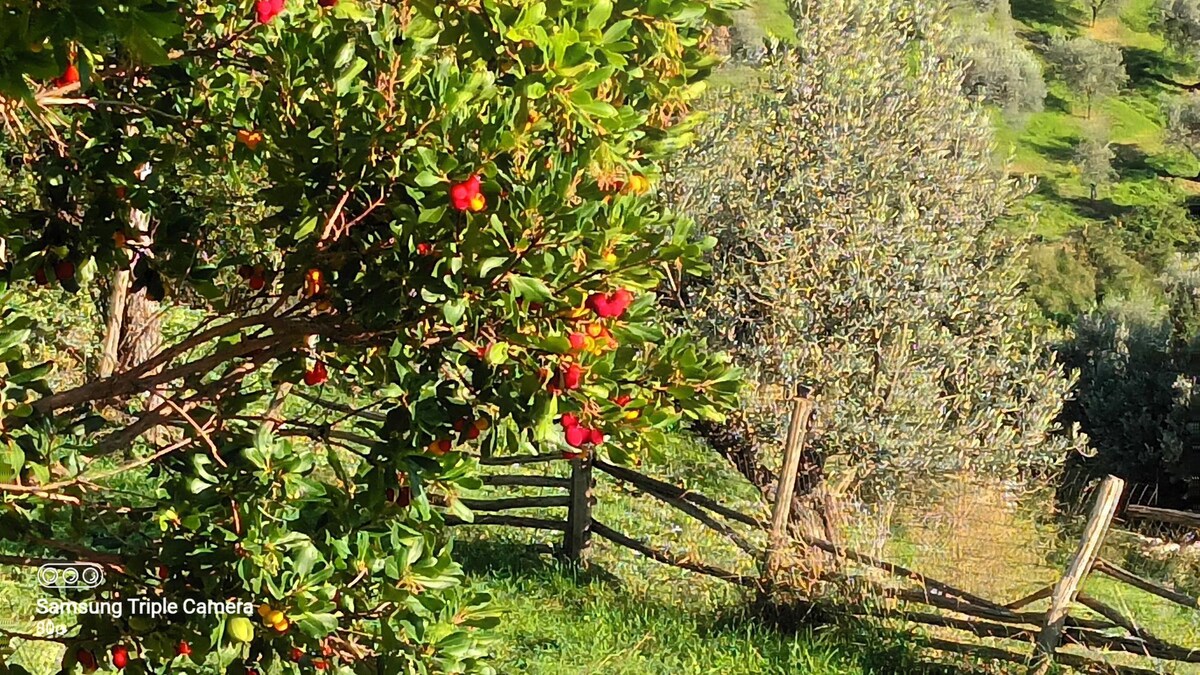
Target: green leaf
[[533, 290], [454, 310], [601, 11], [346, 79]]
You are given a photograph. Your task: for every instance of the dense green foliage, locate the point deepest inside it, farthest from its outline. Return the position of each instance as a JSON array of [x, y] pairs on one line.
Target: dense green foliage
[[1139, 388], [1004, 73], [856, 205], [424, 209]]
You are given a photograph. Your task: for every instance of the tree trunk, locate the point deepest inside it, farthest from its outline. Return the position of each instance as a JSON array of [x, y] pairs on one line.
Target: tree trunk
[[814, 507], [116, 320]]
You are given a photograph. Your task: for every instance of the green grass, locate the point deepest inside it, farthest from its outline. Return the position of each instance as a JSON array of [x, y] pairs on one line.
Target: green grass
[[559, 621]]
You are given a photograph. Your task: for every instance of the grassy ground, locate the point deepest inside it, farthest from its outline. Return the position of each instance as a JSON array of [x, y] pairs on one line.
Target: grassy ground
[[1042, 145]]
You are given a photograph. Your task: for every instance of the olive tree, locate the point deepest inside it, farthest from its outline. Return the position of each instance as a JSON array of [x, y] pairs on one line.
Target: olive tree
[[1003, 73], [1137, 398], [1093, 158], [1183, 123], [1093, 69], [855, 201], [1179, 21]]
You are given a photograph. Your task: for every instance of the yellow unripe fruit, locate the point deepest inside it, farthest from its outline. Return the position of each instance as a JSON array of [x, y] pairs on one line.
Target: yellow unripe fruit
[[594, 330], [282, 626], [610, 258], [275, 617], [633, 415], [263, 610], [482, 424]]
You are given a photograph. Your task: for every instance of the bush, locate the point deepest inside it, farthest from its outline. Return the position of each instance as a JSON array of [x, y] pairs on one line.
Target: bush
[[429, 219], [854, 198], [1137, 399], [1004, 74]]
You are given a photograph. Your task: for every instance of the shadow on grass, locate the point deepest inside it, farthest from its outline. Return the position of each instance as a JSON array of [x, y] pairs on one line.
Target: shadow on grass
[[1148, 68], [594, 595], [1059, 150], [1062, 14], [1132, 162], [1057, 104]]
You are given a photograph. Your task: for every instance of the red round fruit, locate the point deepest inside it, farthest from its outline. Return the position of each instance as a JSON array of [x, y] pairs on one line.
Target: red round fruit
[[64, 269], [245, 271], [120, 656], [316, 375], [472, 433], [622, 400], [327, 3], [40, 276], [424, 248], [459, 191], [572, 376], [473, 185], [319, 664], [297, 654], [578, 341], [163, 572], [70, 76], [596, 437], [266, 10], [257, 282], [86, 659], [569, 420], [620, 300], [577, 436], [183, 648]]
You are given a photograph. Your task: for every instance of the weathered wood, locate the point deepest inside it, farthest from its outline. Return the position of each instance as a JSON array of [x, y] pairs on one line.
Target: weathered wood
[[527, 481], [1120, 574], [579, 518], [1089, 635], [777, 538], [615, 537], [707, 520], [520, 459], [508, 503], [1112, 614], [997, 654], [648, 484], [1039, 594], [1105, 507], [1170, 516], [510, 521]]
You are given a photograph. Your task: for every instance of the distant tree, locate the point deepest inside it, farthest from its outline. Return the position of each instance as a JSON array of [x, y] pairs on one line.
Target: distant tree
[[1179, 21], [1098, 6], [1094, 69], [1004, 74], [1183, 123], [1093, 157], [857, 207]]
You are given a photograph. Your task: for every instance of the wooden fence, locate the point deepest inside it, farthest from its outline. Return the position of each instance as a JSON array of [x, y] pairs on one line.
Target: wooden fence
[[894, 592]]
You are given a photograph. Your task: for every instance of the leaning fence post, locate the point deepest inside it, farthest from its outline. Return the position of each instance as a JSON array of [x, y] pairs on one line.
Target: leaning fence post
[[793, 448], [579, 517], [1065, 592]]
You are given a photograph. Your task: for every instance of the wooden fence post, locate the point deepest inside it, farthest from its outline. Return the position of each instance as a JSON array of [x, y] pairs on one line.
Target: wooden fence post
[[1065, 592], [793, 448], [579, 517]]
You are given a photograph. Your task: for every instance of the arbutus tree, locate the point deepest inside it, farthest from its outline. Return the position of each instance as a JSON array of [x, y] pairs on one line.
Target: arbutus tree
[[406, 234]]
